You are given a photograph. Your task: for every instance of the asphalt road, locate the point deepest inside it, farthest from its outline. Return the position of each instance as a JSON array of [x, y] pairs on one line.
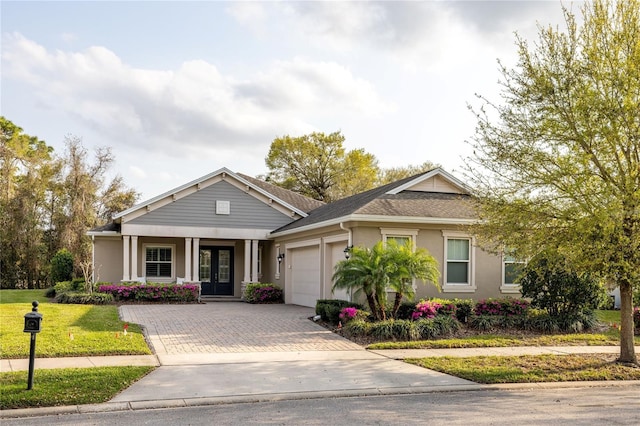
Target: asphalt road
[[566, 406]]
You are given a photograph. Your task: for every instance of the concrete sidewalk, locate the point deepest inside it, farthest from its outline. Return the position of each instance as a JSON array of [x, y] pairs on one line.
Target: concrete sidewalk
[[249, 357]]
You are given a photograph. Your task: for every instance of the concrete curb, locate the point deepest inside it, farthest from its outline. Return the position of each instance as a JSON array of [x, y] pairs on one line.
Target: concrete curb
[[239, 399]]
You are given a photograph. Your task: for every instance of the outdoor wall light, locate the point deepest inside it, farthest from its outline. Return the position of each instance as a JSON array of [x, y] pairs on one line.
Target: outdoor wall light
[[280, 258], [347, 252]]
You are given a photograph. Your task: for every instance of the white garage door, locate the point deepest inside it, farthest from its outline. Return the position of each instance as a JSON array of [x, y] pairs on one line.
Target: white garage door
[[305, 275]]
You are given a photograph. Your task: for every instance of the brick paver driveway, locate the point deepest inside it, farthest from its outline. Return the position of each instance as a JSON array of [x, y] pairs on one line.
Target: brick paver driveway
[[233, 327]]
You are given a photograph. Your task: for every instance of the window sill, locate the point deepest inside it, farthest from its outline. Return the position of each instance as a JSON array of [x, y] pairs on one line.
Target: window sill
[[458, 288], [510, 289]]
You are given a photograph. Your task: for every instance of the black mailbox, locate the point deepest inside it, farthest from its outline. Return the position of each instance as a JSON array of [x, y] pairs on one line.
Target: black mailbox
[[33, 320]]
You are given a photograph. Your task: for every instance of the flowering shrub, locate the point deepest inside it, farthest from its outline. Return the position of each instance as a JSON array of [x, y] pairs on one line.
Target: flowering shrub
[[262, 293], [426, 309], [502, 307], [152, 292], [350, 312]]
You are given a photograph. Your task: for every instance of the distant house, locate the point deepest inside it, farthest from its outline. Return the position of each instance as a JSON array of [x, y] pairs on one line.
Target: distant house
[[227, 229]]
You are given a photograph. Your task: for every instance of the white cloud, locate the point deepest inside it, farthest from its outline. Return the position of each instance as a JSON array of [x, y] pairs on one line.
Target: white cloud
[[195, 103], [137, 172]]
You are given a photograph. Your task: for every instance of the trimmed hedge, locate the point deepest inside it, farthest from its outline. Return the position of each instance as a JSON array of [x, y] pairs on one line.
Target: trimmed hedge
[[184, 293], [263, 293], [73, 297]]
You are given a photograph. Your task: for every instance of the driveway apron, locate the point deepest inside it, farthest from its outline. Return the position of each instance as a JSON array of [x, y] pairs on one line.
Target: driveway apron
[[211, 352]]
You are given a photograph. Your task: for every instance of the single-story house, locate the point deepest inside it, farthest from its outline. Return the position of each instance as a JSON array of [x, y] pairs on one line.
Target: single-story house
[[227, 229]]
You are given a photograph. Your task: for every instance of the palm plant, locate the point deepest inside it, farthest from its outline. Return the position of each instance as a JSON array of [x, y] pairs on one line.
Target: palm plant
[[363, 273], [409, 264], [372, 272]]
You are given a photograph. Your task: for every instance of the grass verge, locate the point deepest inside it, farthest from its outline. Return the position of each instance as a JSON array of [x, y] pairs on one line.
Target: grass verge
[[66, 386], [531, 368], [497, 340]]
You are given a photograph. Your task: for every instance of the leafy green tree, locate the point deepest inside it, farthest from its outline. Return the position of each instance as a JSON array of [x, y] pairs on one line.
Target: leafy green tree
[[374, 271], [556, 163], [318, 166], [25, 172], [86, 198], [49, 202]]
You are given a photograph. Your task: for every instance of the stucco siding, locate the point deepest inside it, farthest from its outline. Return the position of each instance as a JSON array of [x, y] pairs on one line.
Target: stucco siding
[[108, 259], [199, 210]]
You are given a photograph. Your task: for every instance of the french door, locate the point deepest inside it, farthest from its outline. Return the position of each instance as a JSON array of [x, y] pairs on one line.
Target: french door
[[216, 271]]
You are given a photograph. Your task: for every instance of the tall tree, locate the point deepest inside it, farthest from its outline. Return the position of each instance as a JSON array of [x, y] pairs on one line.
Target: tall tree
[[318, 166], [557, 162], [25, 172], [87, 198]]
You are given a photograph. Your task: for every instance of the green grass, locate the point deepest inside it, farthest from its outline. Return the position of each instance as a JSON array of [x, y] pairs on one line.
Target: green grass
[[67, 330], [608, 317], [68, 386], [22, 296], [530, 368], [496, 340]]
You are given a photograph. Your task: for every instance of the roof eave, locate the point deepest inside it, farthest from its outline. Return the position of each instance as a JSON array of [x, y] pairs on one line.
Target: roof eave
[[421, 220]]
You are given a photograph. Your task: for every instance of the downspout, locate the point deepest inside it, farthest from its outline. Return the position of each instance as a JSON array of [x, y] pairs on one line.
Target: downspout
[[350, 238]]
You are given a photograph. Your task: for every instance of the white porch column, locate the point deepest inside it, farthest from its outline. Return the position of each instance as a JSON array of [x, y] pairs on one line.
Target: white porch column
[[254, 261], [196, 259], [134, 257], [247, 261], [187, 259], [125, 258]]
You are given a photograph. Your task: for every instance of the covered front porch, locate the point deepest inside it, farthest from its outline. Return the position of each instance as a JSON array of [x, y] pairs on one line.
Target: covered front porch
[[222, 267]]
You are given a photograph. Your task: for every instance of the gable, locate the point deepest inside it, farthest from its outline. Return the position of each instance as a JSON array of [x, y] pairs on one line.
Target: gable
[[435, 184], [198, 209]]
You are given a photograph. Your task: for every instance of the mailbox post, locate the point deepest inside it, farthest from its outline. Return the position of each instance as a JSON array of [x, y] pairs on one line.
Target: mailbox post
[[32, 324]]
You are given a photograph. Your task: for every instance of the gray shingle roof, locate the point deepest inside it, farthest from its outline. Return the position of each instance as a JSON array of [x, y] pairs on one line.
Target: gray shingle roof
[[301, 202], [377, 202]]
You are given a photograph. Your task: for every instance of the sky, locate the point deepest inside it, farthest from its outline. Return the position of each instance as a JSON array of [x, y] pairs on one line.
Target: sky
[[178, 90]]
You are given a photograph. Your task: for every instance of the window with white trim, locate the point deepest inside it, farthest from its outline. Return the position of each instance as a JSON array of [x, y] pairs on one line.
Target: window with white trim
[[159, 261], [511, 269], [459, 267], [401, 236]]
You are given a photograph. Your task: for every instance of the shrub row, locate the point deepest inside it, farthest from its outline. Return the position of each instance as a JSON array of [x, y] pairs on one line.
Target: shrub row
[[263, 293], [184, 293], [403, 330], [74, 297]]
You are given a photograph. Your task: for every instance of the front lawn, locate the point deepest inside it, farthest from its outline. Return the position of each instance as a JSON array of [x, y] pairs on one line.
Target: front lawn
[[68, 386], [531, 369], [67, 330]]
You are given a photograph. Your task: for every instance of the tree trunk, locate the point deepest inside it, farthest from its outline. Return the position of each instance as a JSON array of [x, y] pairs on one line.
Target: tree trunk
[[627, 349], [396, 305], [372, 305]]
